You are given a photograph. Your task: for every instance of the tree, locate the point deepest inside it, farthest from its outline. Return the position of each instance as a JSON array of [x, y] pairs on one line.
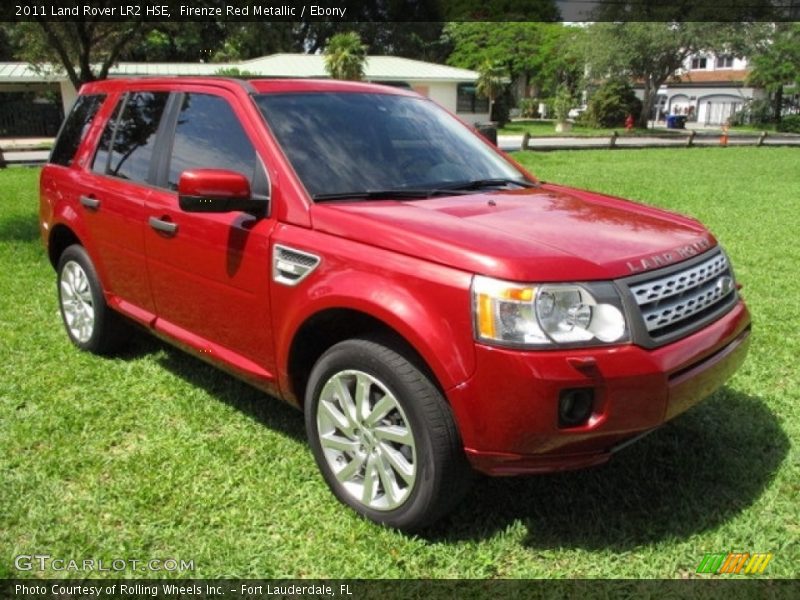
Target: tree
[[775, 59], [538, 54], [492, 80], [611, 104], [85, 49], [647, 52], [345, 56]]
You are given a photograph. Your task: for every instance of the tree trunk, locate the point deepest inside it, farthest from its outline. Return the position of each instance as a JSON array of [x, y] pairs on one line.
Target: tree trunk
[[647, 105], [778, 104]]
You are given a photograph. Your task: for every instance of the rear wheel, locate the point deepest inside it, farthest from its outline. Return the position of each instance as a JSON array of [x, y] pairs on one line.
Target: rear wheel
[[383, 436], [90, 323]]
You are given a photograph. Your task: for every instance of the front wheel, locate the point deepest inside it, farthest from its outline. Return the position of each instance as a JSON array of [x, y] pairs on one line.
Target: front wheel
[[383, 436]]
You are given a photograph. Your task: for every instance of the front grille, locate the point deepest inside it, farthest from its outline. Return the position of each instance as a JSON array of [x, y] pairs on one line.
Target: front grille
[[685, 297]]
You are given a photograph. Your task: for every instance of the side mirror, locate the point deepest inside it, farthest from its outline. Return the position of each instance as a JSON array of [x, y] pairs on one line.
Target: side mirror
[[216, 191]]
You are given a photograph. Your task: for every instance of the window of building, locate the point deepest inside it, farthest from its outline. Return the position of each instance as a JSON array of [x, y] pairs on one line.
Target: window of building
[[468, 100], [209, 135], [74, 128], [724, 62], [699, 62], [135, 134]]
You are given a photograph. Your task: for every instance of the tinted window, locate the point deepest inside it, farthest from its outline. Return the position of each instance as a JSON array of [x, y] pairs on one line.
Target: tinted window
[[135, 134], [339, 143], [78, 121], [100, 162], [209, 135]]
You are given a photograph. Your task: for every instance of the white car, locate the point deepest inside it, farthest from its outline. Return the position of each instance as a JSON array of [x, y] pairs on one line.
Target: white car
[[574, 113]]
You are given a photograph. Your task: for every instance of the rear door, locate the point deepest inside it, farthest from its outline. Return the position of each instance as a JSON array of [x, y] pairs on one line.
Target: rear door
[[114, 187], [209, 273]]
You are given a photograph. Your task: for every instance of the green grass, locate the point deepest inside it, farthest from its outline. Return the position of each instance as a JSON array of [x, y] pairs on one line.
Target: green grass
[[153, 454]]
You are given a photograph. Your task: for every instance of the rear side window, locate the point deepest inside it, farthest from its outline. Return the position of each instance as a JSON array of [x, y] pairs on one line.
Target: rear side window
[[100, 163], [74, 128], [209, 135], [134, 136]]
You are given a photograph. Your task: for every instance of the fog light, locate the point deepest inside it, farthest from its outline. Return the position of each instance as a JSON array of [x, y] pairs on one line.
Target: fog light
[[575, 406]]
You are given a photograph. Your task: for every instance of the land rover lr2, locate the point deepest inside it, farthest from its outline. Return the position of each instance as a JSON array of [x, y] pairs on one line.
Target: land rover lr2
[[359, 252]]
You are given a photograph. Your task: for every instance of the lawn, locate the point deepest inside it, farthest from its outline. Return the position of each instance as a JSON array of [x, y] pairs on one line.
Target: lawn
[[154, 455]]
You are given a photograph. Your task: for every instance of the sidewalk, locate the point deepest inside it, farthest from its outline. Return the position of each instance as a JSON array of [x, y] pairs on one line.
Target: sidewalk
[[510, 143], [17, 144]]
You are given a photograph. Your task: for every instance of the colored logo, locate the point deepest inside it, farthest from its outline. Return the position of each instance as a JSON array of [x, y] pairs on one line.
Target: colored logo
[[723, 563]]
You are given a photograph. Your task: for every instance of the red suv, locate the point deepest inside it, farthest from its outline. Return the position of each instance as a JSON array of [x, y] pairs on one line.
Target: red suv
[[362, 254]]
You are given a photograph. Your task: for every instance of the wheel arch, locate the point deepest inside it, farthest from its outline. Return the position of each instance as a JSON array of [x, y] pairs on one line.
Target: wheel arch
[[61, 237], [329, 326]]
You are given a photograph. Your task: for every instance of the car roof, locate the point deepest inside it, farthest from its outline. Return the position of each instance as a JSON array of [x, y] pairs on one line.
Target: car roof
[[264, 86]]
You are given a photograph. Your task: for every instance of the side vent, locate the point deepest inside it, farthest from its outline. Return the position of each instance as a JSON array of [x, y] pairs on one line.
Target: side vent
[[290, 266]]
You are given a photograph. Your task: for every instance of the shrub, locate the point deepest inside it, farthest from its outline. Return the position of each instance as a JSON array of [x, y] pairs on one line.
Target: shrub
[[789, 124], [755, 112], [610, 105], [529, 108], [502, 108], [562, 103]]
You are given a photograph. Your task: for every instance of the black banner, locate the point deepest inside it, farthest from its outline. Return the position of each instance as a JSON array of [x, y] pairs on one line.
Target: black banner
[[242, 589], [401, 10]]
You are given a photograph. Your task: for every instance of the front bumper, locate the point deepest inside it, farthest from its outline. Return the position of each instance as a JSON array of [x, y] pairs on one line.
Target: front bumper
[[507, 411]]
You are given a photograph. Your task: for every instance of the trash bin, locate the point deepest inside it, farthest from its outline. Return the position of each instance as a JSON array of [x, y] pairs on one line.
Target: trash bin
[[676, 121], [488, 130]]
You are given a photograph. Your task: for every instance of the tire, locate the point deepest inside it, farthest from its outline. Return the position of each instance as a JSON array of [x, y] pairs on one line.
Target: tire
[[91, 325], [390, 451]]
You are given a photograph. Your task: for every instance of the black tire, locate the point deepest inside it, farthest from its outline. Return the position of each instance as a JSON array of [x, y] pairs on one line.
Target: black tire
[[442, 474], [108, 329]]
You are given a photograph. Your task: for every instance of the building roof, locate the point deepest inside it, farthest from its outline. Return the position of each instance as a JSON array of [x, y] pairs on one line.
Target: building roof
[[20, 72], [377, 68], [383, 68], [719, 76]]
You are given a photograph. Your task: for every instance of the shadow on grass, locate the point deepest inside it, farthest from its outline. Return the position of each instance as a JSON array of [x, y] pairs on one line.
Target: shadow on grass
[[19, 228], [697, 472], [259, 406]]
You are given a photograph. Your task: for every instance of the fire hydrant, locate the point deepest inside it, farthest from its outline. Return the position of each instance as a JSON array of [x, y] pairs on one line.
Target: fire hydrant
[[723, 140], [629, 123]]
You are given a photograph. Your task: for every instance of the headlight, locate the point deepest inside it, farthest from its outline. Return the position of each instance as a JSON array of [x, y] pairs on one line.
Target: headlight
[[538, 315]]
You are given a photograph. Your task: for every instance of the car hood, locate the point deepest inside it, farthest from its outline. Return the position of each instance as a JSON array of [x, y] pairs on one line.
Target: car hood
[[549, 233]]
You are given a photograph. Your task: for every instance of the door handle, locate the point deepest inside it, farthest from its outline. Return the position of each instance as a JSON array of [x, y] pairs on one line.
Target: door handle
[[163, 226], [89, 202]]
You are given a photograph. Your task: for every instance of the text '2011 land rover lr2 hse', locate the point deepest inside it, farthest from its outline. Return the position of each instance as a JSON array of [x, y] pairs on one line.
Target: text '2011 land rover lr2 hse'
[[362, 254]]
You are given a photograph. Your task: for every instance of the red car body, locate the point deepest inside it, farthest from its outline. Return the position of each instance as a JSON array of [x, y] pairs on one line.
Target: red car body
[[407, 266]]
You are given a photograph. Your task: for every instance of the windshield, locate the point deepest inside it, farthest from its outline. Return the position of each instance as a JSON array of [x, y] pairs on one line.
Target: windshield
[[342, 143]]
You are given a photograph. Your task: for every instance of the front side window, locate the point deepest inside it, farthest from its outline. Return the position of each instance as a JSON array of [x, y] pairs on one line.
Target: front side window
[[209, 135], [135, 134], [75, 127], [469, 101], [339, 143]]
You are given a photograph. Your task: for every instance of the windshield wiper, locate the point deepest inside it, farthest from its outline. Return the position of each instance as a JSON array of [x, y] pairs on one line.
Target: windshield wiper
[[401, 193], [479, 184], [459, 187]]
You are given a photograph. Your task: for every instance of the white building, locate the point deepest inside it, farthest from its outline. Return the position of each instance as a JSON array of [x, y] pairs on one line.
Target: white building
[[451, 87], [709, 89]]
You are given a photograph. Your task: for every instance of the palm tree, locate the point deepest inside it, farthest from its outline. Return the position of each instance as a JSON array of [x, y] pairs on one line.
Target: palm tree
[[491, 81], [345, 56]]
